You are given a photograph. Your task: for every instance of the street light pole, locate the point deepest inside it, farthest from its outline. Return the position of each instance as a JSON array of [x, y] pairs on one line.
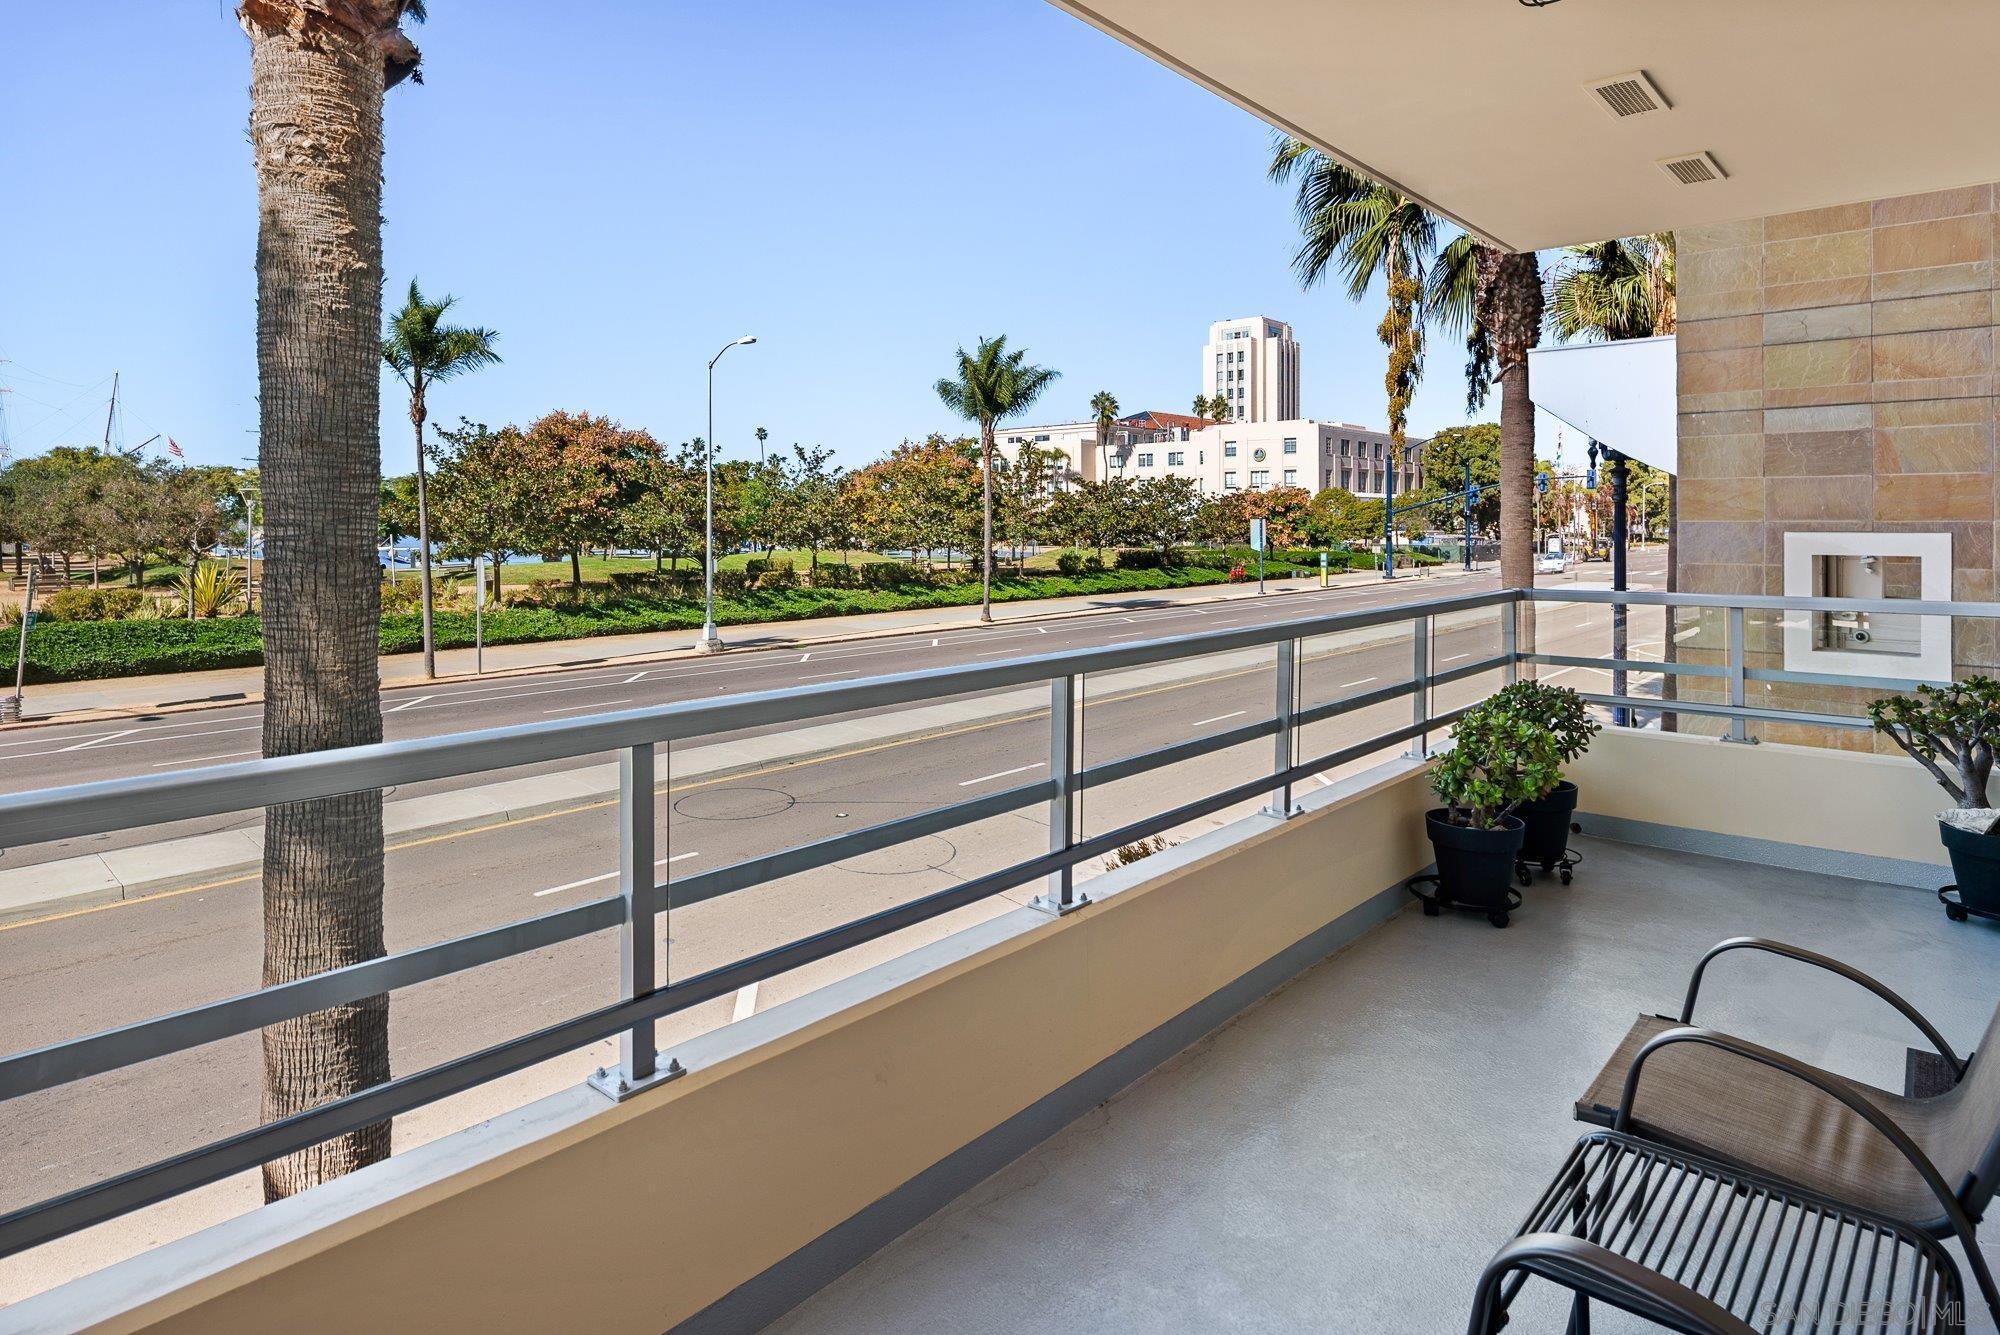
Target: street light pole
[[710, 643]]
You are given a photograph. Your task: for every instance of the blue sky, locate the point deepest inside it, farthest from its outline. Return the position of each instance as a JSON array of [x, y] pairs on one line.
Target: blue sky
[[863, 186]]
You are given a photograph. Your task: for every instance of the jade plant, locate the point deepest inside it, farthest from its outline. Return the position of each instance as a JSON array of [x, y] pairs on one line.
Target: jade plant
[[1501, 756], [1950, 731], [1558, 709]]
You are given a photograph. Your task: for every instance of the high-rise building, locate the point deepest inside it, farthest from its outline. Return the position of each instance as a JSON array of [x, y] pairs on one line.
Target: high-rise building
[[1254, 365]]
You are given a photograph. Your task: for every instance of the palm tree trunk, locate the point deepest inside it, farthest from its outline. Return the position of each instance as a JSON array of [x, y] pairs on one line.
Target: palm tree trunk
[[423, 529], [986, 522], [1517, 479], [316, 133]]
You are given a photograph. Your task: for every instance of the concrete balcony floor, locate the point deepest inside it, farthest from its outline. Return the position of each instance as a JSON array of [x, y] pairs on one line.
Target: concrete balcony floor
[[1347, 1154]]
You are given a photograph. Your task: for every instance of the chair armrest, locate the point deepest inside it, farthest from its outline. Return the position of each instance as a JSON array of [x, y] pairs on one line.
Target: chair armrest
[[1954, 1209], [1593, 1270], [1833, 966]]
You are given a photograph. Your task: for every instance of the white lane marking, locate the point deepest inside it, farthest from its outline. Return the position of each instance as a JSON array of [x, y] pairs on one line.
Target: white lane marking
[[746, 1003], [595, 704], [1218, 718], [1363, 682], [141, 741], [104, 737], [397, 709], [634, 677], [934, 644], [607, 876], [1018, 769], [821, 676], [1455, 657], [805, 658], [448, 702], [203, 760]]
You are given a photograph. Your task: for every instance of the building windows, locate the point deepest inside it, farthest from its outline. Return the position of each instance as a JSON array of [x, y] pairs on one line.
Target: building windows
[[1041, 440], [1291, 444], [1291, 477], [1378, 449], [1260, 478], [1229, 480], [1175, 458], [1229, 449], [1145, 461], [1343, 448]]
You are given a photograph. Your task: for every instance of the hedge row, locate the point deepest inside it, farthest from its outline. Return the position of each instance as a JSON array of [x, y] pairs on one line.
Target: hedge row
[[88, 650]]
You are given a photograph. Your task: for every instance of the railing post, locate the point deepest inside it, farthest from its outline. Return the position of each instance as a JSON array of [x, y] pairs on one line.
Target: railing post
[[1739, 728], [1283, 750], [1510, 639], [638, 969], [1420, 673], [1060, 896]]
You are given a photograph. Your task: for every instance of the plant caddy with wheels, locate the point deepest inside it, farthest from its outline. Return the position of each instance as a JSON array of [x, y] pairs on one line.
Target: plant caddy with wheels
[[1548, 818], [1500, 757], [1956, 726]]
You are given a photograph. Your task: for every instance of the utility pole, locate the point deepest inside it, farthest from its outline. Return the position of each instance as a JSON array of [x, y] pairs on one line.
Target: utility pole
[[111, 412], [1469, 493]]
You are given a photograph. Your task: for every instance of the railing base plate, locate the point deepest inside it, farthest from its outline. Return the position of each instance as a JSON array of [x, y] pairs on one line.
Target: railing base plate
[[613, 1084], [1055, 908]]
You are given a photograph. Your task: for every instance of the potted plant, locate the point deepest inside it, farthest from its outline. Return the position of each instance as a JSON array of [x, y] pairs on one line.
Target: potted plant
[[1563, 714], [1500, 757], [1950, 731]]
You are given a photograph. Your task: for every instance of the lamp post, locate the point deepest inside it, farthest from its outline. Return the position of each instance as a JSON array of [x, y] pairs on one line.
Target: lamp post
[[1394, 458], [710, 643]]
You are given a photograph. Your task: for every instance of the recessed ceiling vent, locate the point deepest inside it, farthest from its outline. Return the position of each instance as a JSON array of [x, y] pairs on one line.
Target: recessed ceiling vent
[[1692, 168], [1628, 94]]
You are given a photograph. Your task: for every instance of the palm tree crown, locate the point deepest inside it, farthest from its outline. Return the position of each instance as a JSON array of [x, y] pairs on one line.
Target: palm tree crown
[[421, 348], [1614, 289]]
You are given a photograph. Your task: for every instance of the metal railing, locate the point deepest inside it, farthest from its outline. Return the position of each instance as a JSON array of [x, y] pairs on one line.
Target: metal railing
[[643, 740]]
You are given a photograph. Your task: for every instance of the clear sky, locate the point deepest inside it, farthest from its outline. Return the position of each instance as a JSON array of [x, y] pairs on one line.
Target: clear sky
[[620, 187]]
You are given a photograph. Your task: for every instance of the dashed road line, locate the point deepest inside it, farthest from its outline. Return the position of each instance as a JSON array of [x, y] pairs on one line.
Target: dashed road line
[[987, 778]]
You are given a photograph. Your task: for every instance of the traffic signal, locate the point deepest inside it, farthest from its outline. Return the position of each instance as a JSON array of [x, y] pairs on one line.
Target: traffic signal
[[1542, 483]]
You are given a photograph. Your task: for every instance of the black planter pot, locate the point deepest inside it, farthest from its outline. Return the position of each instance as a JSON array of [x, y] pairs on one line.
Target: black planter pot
[[1546, 839], [1975, 861], [1474, 867]]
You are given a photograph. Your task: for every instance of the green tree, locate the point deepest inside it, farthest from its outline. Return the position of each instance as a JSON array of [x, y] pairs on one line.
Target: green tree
[[423, 350], [318, 73], [665, 512], [816, 512], [1613, 289], [923, 496], [52, 502], [1162, 511], [990, 385], [1445, 456], [476, 494], [578, 471], [1337, 517]]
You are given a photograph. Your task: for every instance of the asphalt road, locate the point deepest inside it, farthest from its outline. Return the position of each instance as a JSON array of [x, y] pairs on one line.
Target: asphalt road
[[97, 968]]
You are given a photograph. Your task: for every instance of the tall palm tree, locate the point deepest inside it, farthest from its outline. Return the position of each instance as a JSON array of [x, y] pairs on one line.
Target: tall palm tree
[[1104, 409], [318, 71], [1506, 321], [762, 436], [992, 384], [1359, 229], [422, 350]]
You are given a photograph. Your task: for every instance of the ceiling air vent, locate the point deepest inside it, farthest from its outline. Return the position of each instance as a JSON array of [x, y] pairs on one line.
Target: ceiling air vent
[[1692, 168], [1628, 94]]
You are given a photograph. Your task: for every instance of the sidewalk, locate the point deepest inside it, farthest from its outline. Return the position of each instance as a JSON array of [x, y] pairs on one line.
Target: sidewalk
[[120, 697]]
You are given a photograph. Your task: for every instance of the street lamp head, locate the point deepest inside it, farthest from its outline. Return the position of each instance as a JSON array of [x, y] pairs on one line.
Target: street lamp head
[[746, 339]]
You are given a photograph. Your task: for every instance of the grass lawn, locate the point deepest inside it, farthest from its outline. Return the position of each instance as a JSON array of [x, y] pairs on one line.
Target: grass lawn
[[598, 569]]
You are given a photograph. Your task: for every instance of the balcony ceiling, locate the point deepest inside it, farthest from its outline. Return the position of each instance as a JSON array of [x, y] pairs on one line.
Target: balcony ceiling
[[1479, 108]]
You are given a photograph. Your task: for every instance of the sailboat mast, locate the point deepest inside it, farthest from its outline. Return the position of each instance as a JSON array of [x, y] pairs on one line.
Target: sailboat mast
[[111, 412]]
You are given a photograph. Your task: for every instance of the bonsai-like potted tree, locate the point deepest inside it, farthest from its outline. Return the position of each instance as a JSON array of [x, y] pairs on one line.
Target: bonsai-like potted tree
[[1951, 731], [1500, 757], [1562, 713]]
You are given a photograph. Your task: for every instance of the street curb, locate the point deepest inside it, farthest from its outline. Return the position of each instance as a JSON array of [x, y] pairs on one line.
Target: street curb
[[638, 659]]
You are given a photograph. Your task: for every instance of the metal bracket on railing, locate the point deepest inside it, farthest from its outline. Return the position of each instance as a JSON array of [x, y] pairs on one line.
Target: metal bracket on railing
[[1061, 897], [1739, 727], [1420, 698], [638, 968], [1281, 805]]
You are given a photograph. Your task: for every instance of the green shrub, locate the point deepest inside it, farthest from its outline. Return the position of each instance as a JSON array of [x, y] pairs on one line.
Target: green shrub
[[1500, 757], [1140, 558], [1070, 563], [86, 604]]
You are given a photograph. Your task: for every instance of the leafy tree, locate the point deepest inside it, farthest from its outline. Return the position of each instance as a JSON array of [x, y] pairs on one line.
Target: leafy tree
[[990, 385], [921, 497], [666, 511], [1162, 511], [422, 350], [817, 510], [318, 72], [477, 499], [1338, 516], [1445, 456], [397, 517], [52, 502], [579, 471]]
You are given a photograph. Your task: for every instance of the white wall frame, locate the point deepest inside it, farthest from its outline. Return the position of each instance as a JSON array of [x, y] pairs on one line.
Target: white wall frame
[[1803, 553]]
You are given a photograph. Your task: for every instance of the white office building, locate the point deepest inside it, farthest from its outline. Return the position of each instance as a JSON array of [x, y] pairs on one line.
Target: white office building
[[1254, 365], [1224, 456]]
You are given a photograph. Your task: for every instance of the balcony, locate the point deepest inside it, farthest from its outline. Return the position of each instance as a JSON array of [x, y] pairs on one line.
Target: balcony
[[1349, 1106]]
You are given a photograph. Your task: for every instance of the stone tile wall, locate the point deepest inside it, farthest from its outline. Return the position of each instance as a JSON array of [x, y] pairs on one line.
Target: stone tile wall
[[1837, 373]]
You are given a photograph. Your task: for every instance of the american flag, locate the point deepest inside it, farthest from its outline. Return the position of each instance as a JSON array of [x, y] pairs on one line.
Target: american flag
[[174, 449]]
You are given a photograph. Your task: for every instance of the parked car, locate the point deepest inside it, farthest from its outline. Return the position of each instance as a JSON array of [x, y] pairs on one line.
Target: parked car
[[1550, 563]]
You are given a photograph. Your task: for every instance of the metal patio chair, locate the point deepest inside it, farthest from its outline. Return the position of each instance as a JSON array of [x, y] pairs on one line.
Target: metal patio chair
[[1930, 1162]]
